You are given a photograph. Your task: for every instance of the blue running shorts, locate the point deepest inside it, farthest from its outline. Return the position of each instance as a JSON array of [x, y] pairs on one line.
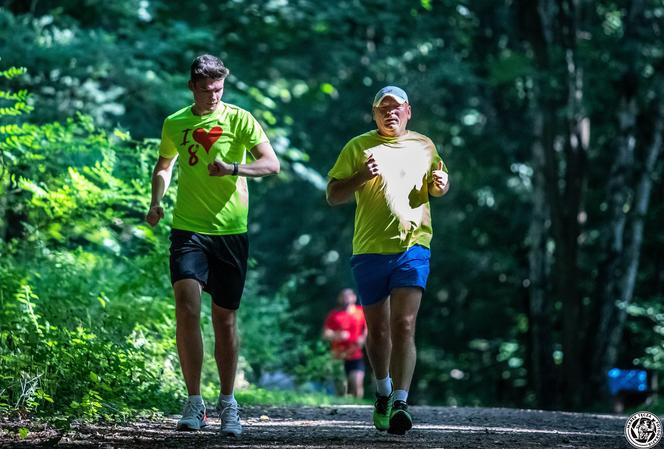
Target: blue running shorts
[[377, 274]]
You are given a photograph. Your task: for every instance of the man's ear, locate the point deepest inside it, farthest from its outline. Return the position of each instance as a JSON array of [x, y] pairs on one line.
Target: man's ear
[[191, 85]]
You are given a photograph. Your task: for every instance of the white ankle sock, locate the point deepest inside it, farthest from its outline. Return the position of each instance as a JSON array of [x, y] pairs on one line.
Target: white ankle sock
[[227, 397], [400, 395], [196, 398], [384, 386]]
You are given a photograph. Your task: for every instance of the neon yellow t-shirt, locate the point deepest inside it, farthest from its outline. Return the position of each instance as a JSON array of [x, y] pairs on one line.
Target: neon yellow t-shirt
[[393, 211], [210, 204]]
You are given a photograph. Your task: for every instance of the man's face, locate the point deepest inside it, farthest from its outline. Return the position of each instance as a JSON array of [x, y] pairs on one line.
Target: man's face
[[347, 298], [207, 94], [391, 117]]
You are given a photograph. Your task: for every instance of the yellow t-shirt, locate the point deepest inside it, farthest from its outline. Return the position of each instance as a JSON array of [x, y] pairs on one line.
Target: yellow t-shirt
[[393, 211], [216, 205]]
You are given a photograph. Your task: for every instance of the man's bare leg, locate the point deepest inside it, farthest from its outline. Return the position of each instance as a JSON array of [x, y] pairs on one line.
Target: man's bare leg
[[379, 342], [379, 347], [188, 332], [405, 303], [226, 354], [224, 322], [356, 383]]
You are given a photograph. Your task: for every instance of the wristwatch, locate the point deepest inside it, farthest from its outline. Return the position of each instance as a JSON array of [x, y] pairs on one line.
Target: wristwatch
[[236, 167]]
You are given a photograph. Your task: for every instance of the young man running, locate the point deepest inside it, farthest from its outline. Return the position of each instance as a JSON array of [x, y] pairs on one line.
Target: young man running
[[209, 246]]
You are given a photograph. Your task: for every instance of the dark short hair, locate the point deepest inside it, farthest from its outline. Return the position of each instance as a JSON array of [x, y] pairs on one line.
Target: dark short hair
[[208, 66]]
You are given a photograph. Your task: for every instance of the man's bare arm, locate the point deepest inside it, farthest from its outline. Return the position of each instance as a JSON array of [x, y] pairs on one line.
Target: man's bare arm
[[161, 178], [332, 335], [265, 163]]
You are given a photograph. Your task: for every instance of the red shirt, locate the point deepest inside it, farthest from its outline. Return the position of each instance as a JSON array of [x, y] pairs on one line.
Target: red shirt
[[352, 322]]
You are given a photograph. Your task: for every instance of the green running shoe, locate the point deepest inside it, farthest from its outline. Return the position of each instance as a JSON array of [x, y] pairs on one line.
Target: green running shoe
[[400, 419], [381, 413]]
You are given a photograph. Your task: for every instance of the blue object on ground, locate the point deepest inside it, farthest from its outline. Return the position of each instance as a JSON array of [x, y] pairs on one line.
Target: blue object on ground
[[277, 380], [632, 380]]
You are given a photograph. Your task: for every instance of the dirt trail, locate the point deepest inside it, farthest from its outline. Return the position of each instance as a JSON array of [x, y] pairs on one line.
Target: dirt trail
[[348, 427]]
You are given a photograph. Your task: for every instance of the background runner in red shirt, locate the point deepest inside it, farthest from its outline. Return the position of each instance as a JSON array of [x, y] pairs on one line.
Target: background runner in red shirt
[[346, 329]]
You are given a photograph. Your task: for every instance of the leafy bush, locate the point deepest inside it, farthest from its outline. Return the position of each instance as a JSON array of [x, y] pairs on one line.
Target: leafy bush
[[85, 319], [86, 370]]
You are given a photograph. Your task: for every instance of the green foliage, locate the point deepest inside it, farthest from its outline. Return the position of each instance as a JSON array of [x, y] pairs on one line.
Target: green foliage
[[79, 371], [317, 364], [269, 330], [648, 319], [274, 338], [83, 336], [260, 396]]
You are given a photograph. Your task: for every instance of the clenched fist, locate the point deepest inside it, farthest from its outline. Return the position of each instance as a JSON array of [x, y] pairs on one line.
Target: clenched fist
[[370, 168], [155, 214], [440, 178]]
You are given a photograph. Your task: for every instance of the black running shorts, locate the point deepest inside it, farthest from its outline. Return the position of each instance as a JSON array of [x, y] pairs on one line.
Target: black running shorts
[[218, 262], [353, 365]]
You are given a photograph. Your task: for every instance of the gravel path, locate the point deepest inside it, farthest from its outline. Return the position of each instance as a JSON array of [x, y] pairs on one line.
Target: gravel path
[[347, 427]]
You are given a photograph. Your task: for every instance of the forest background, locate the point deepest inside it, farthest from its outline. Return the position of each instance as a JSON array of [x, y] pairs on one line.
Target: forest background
[[547, 265]]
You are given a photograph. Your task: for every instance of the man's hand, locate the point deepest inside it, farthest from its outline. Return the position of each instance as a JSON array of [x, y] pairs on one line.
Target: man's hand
[[341, 190], [370, 169], [220, 168], [155, 214], [440, 178]]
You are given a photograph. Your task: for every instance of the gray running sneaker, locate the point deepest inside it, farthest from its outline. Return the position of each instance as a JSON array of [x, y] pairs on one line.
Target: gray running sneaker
[[194, 416], [230, 418]]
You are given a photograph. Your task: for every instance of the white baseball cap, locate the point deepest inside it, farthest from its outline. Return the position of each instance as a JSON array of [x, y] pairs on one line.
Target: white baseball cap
[[390, 91]]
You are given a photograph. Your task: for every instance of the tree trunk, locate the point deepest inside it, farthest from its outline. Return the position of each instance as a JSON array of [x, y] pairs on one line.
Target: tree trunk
[[616, 276], [538, 21], [567, 227], [609, 270], [627, 280], [540, 313]]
